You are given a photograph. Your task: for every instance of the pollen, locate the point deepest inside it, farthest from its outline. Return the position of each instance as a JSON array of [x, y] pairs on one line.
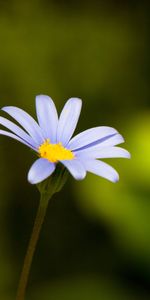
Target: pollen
[[55, 152]]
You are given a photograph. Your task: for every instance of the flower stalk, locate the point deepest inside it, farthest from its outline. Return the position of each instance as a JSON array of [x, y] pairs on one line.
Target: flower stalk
[[47, 189], [31, 248]]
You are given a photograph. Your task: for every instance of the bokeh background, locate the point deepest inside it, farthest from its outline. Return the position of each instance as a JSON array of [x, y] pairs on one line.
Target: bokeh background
[[95, 242]]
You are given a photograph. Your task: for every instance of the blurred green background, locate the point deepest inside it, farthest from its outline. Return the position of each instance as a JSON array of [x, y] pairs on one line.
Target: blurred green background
[[95, 242]]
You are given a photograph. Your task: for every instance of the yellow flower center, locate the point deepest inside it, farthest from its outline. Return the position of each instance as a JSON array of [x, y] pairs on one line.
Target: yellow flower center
[[55, 152]]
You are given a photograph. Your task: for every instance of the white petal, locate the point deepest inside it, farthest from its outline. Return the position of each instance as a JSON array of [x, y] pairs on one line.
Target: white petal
[[103, 143], [27, 122], [47, 116], [75, 167], [100, 168], [68, 120], [90, 136], [15, 137], [108, 152], [40, 170], [113, 141], [18, 131]]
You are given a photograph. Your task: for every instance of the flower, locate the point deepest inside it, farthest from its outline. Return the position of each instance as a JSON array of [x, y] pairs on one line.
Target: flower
[[51, 138]]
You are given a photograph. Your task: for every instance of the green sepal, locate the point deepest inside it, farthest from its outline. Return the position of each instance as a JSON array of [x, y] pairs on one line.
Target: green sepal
[[54, 183]]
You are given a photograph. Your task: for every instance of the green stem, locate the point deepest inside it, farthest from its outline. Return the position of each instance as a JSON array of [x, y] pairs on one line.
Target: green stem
[[31, 248]]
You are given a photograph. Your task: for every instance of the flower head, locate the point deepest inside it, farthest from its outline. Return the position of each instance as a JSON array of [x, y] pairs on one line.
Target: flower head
[[51, 138]]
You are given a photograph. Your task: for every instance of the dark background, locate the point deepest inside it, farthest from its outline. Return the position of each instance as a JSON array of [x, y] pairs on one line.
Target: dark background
[[95, 242]]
